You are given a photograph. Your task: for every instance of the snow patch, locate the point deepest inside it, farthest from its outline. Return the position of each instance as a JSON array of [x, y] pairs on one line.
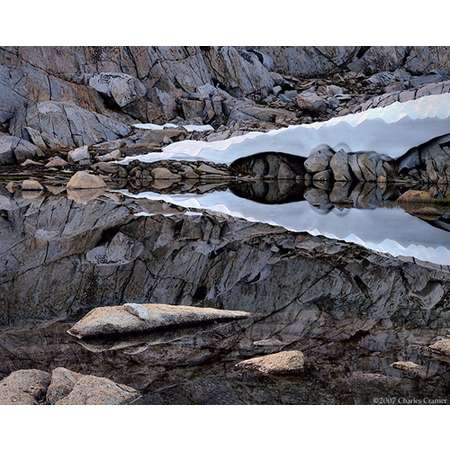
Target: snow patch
[[391, 130], [188, 128]]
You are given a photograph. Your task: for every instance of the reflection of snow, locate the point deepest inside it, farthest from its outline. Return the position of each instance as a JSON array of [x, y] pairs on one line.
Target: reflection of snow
[[391, 130], [386, 230]]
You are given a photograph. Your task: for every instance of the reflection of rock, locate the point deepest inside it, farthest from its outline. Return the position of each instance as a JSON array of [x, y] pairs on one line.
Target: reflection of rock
[[84, 196], [24, 387], [410, 368], [122, 319], [269, 165], [269, 191], [413, 196], [282, 363]]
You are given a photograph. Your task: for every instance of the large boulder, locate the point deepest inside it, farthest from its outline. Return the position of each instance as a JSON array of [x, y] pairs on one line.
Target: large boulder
[[319, 160], [85, 180], [122, 88], [15, 150], [65, 125], [91, 390], [135, 318], [24, 387]]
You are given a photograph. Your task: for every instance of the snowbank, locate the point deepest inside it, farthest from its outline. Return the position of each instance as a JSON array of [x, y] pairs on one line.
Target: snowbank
[[392, 130], [188, 128]]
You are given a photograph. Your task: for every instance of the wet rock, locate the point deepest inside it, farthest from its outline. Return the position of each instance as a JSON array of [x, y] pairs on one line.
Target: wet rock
[[311, 102], [92, 390], [410, 368], [319, 159], [80, 155], [340, 166], [122, 88], [56, 161], [413, 196], [282, 363], [119, 319], [61, 384], [85, 180], [24, 387], [31, 185]]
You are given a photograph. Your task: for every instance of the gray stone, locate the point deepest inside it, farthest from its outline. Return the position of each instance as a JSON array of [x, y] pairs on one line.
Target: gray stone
[[122, 88], [319, 159], [14, 149], [340, 166], [311, 102], [24, 387], [80, 154]]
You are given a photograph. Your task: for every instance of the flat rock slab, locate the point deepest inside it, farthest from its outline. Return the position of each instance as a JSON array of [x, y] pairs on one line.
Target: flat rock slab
[[281, 363], [135, 318]]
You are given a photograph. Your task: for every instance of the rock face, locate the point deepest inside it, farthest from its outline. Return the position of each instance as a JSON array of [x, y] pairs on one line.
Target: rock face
[[24, 387], [85, 180], [282, 363], [65, 125], [143, 318]]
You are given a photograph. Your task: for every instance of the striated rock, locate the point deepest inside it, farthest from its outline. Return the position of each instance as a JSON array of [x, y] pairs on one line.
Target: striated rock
[[31, 185], [340, 166], [122, 88], [62, 125], [319, 159], [85, 180], [121, 319], [14, 149], [282, 363], [24, 387], [410, 368], [61, 384]]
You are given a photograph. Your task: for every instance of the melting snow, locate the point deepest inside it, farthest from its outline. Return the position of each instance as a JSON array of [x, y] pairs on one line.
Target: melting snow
[[392, 130]]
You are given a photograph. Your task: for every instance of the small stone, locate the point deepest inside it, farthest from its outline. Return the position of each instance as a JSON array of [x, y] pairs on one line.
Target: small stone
[[80, 154], [32, 185], [85, 180], [30, 162], [282, 363], [311, 102], [56, 161], [11, 187], [319, 159]]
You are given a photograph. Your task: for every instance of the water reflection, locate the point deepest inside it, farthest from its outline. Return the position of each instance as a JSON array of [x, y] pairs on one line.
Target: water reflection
[[366, 215]]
